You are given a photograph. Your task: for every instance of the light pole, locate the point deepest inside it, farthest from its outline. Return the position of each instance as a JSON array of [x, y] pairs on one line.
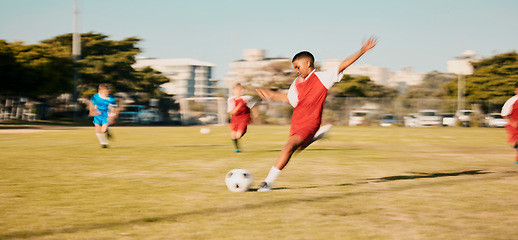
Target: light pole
[[76, 55]]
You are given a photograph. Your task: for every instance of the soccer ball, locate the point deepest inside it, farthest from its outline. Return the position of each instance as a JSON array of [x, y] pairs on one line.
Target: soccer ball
[[205, 130], [238, 180]]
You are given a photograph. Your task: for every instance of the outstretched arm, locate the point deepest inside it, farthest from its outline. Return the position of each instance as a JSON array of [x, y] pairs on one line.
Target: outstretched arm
[[366, 46], [269, 95]]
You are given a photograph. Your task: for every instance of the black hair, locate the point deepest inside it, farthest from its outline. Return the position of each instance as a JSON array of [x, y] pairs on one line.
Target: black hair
[[304, 54], [516, 85]]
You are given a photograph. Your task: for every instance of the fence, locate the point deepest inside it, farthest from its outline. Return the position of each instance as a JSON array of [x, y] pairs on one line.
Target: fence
[[338, 111]]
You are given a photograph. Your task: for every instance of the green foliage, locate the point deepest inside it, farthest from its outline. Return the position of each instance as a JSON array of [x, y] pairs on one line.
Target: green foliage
[[432, 86], [493, 79], [360, 87], [34, 70], [47, 68]]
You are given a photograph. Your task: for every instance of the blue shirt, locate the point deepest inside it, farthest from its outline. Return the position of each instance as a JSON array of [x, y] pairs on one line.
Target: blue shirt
[[102, 103]]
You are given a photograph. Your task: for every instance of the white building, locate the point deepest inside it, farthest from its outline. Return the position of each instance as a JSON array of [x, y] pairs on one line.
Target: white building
[[405, 77], [189, 77], [379, 75], [253, 69]]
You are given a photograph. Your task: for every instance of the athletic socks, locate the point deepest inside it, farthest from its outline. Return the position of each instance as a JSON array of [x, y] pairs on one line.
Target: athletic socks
[[236, 144], [273, 175], [102, 139]]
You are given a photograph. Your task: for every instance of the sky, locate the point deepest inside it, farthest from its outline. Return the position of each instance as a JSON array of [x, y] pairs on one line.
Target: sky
[[422, 34]]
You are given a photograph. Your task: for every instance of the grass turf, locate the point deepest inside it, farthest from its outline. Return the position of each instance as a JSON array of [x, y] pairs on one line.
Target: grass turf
[[168, 183]]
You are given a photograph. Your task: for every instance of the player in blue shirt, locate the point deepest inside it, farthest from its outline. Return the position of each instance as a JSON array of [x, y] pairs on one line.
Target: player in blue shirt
[[104, 110]]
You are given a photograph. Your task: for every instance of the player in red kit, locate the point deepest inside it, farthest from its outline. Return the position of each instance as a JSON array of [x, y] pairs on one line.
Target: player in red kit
[[307, 94], [239, 108], [510, 112]]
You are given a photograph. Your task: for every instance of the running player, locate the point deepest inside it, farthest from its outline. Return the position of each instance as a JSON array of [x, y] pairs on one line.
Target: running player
[[239, 108], [104, 110]]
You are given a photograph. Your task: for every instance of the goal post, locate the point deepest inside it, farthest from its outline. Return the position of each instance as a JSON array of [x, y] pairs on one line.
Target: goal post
[[207, 110]]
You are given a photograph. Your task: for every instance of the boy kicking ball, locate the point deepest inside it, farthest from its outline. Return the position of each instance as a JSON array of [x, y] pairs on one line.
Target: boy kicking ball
[[103, 109], [307, 94], [510, 112]]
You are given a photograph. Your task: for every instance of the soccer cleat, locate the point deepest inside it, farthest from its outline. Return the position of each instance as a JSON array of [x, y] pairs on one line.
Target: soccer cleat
[[108, 134], [104, 146], [322, 131], [264, 187], [237, 150]]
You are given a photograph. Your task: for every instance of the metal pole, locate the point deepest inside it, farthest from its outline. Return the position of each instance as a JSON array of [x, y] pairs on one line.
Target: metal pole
[[460, 92], [76, 55]]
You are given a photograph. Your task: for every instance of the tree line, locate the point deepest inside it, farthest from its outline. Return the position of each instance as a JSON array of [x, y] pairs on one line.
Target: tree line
[[46, 69]]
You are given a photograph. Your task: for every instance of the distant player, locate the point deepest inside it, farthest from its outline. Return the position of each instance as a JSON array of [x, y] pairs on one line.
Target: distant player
[[510, 112], [104, 110], [239, 107], [307, 95]]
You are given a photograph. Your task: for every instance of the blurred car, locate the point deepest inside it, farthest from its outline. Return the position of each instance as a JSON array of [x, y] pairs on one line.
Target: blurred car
[[411, 120], [130, 113], [388, 120], [358, 117], [208, 118], [448, 119], [429, 118], [464, 116], [494, 120], [149, 116]]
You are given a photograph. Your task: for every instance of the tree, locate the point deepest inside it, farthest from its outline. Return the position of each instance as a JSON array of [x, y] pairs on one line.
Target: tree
[[109, 61], [493, 79], [35, 70], [360, 86], [432, 86]]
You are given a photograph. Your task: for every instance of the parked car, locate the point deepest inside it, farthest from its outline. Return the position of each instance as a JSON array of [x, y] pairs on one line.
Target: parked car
[[388, 120], [209, 118], [411, 120], [464, 116], [149, 116], [130, 113], [448, 120], [358, 117], [429, 118], [494, 120]]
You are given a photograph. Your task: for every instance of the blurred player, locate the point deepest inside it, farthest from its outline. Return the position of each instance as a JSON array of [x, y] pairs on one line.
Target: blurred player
[[239, 107], [510, 112], [104, 110], [307, 94]]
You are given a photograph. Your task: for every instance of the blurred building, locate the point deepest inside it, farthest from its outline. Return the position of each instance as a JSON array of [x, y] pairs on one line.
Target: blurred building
[[189, 77], [256, 69], [379, 75], [405, 77]]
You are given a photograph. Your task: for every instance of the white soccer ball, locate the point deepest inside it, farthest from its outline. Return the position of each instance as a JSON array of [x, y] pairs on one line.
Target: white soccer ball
[[205, 130], [238, 180]]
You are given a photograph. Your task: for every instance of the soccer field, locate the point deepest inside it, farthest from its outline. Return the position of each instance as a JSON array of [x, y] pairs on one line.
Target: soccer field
[[168, 183]]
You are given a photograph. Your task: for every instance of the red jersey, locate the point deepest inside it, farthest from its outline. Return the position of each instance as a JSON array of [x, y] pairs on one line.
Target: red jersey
[[240, 119], [308, 96], [510, 110]]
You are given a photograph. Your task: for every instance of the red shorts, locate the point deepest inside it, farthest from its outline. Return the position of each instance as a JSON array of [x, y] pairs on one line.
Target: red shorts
[[512, 134], [239, 126], [306, 134]]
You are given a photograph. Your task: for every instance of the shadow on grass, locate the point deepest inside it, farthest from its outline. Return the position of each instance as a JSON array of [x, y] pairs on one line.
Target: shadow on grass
[[218, 210], [399, 177]]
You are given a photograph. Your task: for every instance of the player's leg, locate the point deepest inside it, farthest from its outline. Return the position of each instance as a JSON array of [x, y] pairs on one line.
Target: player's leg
[[233, 135], [101, 135], [294, 142], [321, 133]]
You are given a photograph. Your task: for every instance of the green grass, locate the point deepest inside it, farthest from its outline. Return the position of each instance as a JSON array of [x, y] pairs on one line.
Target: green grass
[[168, 183]]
